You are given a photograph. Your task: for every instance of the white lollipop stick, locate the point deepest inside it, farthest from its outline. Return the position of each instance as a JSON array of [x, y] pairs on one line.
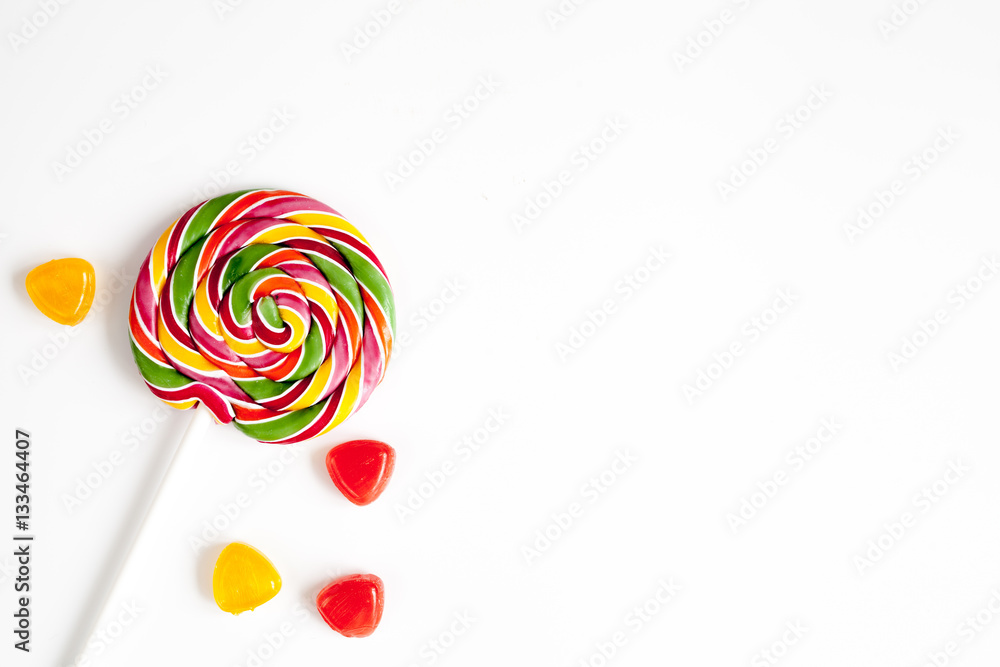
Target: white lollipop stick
[[196, 427]]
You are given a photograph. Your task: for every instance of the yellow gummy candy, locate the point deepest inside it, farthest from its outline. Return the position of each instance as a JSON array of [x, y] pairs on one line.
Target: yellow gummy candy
[[62, 289], [244, 579]]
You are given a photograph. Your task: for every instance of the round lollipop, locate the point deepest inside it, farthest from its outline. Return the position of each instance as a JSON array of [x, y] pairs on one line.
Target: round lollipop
[[267, 307]]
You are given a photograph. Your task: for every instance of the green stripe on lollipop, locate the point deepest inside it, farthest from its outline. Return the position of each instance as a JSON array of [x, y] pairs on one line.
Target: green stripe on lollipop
[[284, 426]]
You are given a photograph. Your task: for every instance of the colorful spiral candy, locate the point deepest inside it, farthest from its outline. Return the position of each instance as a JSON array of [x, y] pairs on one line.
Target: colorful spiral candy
[[267, 307]]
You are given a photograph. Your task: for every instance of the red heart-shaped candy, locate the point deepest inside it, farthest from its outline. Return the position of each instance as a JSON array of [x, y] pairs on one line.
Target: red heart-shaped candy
[[352, 605], [361, 469]]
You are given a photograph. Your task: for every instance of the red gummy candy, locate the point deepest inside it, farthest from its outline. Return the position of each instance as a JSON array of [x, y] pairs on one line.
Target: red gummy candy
[[352, 605], [361, 469]]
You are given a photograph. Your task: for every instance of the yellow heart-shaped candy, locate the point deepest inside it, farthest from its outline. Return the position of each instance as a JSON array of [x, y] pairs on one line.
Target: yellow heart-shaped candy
[[62, 289], [244, 579]]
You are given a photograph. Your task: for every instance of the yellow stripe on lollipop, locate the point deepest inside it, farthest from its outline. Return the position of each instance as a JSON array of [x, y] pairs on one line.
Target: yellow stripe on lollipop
[[158, 259], [285, 232], [243, 347], [327, 221], [318, 385], [206, 314], [352, 388], [323, 298], [295, 322], [347, 399], [179, 354]]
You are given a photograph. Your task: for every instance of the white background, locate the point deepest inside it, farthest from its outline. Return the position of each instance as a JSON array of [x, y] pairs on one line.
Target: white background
[[522, 292]]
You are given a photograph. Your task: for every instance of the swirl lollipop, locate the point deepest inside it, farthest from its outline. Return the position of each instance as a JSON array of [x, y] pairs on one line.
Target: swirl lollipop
[[267, 307]]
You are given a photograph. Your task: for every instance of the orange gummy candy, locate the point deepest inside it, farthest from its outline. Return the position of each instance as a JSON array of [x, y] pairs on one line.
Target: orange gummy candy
[[62, 289]]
